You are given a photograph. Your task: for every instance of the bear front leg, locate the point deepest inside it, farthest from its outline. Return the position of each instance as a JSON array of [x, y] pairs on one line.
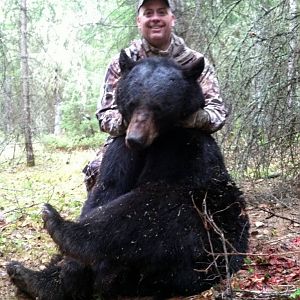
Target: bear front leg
[[73, 239], [58, 228], [52, 221], [118, 175], [62, 232]]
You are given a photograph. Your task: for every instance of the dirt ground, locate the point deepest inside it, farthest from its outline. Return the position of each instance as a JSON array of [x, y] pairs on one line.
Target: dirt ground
[[272, 267]]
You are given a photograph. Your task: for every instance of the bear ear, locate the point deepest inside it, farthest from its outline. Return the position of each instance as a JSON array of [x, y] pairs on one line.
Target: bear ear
[[194, 70], [125, 62]]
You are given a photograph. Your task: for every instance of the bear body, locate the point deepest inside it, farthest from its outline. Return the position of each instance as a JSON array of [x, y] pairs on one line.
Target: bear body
[[164, 209]]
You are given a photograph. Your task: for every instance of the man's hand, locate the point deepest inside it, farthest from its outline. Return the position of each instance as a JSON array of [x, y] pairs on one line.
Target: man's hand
[[199, 119], [113, 123]]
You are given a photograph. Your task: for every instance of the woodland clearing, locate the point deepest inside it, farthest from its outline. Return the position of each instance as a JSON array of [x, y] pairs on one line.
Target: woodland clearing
[[272, 266]]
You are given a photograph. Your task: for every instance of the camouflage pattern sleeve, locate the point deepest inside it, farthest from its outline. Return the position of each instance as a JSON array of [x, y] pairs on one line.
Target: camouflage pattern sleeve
[[110, 119], [214, 104], [213, 117]]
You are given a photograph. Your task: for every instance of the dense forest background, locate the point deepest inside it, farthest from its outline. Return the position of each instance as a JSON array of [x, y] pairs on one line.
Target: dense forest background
[[53, 56]]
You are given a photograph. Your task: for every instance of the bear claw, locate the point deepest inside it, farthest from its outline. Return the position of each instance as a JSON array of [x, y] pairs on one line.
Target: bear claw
[[17, 274], [13, 268], [48, 212]]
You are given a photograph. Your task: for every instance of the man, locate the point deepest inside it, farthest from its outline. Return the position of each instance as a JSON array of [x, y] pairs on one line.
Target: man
[[155, 20]]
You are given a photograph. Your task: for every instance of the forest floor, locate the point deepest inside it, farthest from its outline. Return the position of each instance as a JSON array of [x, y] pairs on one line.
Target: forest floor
[[272, 266]]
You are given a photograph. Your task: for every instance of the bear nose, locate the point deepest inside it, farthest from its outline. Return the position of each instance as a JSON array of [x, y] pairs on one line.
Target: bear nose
[[135, 142]]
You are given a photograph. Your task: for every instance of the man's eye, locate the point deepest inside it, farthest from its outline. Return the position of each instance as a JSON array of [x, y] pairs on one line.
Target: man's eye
[[148, 14], [162, 12]]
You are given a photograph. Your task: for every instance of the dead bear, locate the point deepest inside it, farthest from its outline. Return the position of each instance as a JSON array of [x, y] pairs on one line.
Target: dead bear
[[165, 229]]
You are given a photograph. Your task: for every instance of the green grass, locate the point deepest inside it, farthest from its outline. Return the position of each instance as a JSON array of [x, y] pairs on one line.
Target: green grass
[[57, 178]]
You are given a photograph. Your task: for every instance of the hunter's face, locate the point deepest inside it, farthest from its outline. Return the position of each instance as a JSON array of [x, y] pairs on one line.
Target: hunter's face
[[155, 21]]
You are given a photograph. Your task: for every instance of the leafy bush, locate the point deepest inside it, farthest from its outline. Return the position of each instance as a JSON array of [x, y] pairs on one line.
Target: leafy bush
[[64, 142], [295, 295], [79, 119]]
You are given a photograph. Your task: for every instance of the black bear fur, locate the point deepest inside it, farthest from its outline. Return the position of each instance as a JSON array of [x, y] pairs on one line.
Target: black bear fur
[[164, 211]]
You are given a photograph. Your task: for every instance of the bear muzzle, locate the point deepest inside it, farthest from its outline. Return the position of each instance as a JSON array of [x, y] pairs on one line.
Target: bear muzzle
[[142, 129]]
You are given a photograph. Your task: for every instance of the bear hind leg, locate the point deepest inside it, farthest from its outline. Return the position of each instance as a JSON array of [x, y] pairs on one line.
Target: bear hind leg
[[44, 285]]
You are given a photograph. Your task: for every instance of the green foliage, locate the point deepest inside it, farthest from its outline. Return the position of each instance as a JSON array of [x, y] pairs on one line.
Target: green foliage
[[248, 262], [68, 143], [79, 119], [295, 295]]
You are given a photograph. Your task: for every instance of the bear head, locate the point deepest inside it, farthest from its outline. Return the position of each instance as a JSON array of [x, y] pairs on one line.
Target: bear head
[[154, 95]]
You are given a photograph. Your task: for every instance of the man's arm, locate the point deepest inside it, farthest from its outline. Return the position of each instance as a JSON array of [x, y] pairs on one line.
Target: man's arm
[[213, 116], [110, 119]]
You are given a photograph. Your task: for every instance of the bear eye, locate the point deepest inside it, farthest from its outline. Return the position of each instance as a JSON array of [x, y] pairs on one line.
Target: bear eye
[[131, 105], [157, 108]]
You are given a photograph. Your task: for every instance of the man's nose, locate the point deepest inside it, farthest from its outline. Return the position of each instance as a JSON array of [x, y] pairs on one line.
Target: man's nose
[[155, 17]]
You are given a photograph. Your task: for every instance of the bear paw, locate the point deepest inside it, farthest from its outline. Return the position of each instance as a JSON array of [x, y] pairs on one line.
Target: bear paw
[[51, 218], [48, 212], [19, 275]]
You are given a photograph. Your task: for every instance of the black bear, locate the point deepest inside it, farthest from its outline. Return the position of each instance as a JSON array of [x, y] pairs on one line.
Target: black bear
[[174, 226]]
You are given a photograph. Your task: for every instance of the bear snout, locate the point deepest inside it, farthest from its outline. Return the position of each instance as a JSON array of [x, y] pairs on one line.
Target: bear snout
[[142, 129]]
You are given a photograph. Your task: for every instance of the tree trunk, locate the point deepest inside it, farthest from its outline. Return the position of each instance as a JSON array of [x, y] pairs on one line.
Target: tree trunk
[[25, 85], [181, 24], [292, 57], [7, 106], [57, 105]]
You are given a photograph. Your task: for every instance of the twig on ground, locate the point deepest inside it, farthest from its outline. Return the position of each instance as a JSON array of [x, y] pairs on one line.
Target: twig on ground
[[272, 214], [265, 294], [209, 222]]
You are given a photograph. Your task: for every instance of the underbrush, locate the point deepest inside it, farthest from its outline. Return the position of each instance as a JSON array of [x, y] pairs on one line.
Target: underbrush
[[64, 142]]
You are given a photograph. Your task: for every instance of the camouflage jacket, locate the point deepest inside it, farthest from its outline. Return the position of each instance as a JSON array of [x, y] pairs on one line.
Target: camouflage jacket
[[110, 119]]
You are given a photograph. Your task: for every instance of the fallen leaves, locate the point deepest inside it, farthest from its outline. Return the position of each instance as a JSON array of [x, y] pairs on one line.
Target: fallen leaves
[[272, 269]]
